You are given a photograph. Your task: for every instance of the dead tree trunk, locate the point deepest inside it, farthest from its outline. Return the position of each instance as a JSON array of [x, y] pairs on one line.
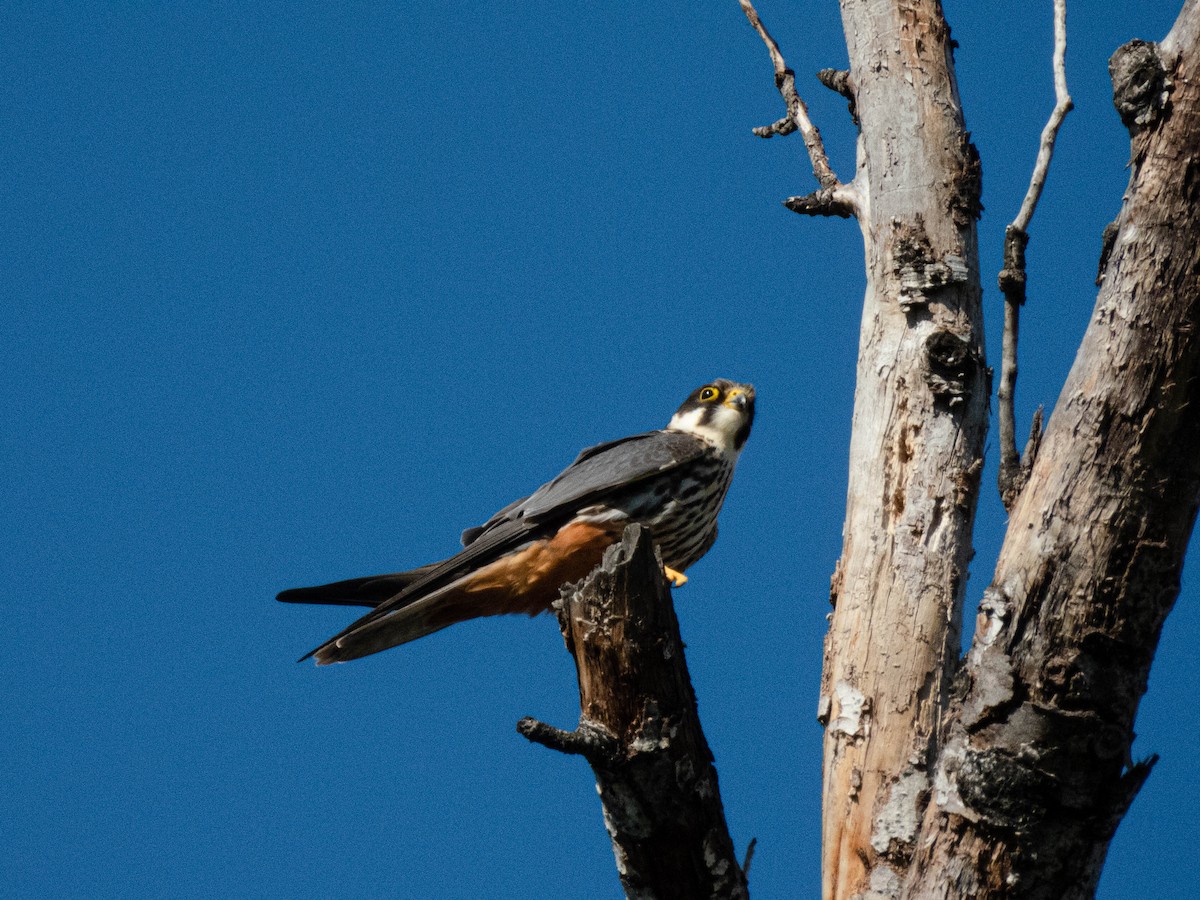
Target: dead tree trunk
[[1004, 774], [1036, 773], [1011, 784], [640, 731], [920, 418]]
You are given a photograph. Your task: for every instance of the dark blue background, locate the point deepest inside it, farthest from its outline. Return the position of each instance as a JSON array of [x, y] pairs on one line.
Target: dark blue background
[[295, 292]]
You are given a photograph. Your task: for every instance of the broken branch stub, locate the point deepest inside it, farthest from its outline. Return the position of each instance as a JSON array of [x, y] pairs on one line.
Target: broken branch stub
[[640, 731]]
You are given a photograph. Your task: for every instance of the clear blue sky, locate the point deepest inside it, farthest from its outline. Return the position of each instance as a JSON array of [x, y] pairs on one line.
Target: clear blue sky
[[296, 292]]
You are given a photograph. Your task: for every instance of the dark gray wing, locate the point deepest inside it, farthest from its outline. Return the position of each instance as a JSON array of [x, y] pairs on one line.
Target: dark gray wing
[[504, 538], [597, 472], [472, 534], [511, 511]]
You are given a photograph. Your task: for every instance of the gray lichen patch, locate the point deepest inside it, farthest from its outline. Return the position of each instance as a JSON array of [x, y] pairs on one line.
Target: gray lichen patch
[[896, 824]]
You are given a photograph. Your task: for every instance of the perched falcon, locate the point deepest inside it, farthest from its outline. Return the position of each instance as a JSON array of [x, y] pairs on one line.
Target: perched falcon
[[673, 481]]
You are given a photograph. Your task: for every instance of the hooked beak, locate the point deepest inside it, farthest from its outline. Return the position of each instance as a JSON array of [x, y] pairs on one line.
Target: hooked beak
[[738, 400]]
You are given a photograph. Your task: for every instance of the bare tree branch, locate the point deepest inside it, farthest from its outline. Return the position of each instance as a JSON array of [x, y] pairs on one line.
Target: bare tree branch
[[838, 81], [837, 201], [1014, 474], [589, 740], [749, 856], [640, 731], [1062, 106], [797, 112]]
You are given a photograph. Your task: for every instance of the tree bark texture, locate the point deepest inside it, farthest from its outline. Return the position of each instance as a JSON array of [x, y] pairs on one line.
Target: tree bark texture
[[920, 419], [640, 731], [1036, 771]]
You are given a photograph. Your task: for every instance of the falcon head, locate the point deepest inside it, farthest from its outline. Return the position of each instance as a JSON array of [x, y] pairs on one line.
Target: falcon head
[[721, 412]]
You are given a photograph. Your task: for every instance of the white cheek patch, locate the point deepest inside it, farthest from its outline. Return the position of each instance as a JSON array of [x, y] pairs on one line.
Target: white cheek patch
[[687, 421], [720, 429]]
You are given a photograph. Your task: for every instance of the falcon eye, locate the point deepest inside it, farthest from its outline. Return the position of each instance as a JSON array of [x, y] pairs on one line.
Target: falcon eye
[[708, 393]]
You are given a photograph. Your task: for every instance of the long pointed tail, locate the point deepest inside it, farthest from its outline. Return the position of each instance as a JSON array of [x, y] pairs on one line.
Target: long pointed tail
[[482, 580], [370, 591], [416, 619]]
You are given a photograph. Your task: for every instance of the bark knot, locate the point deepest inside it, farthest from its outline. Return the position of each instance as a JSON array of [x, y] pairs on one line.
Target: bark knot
[[1007, 790], [1141, 87], [953, 364], [1012, 276]]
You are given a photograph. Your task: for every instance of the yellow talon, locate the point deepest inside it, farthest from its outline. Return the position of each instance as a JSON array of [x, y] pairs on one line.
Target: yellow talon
[[677, 579]]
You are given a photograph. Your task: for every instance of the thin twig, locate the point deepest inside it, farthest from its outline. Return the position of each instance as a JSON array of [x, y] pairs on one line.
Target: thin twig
[[1013, 473], [797, 117], [1062, 106]]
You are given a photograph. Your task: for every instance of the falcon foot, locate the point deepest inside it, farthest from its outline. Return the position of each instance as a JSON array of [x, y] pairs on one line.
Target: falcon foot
[[677, 579]]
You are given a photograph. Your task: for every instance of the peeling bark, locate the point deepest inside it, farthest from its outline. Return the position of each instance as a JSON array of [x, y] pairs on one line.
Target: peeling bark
[[1036, 773], [920, 417]]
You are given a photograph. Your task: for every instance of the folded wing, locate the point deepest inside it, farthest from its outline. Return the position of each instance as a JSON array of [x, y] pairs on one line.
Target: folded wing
[[526, 530]]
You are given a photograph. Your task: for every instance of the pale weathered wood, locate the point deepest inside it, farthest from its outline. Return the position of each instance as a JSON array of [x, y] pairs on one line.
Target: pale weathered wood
[[640, 731], [920, 417], [1013, 786], [1036, 773]]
